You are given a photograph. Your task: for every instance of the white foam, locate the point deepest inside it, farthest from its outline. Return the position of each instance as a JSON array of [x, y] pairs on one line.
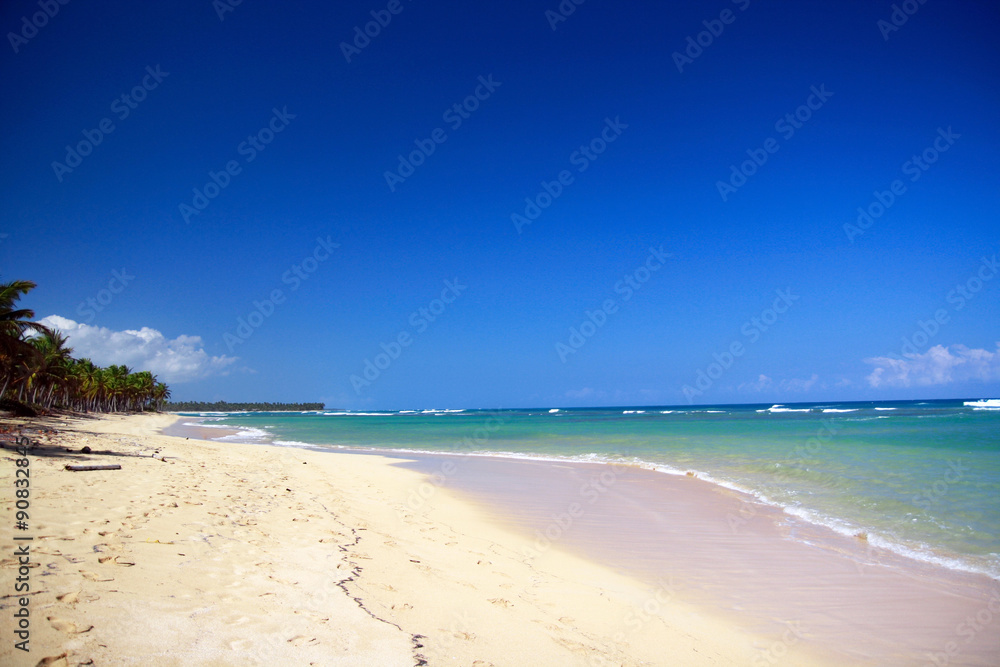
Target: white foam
[[885, 408], [202, 424], [984, 404], [633, 412], [297, 444], [778, 407], [839, 410], [245, 434], [553, 411]]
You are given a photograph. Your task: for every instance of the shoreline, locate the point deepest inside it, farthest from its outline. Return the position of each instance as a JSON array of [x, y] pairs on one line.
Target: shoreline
[[875, 539], [819, 567], [226, 553]]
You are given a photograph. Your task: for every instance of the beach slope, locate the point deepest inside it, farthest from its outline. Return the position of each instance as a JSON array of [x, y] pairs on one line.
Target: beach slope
[[199, 552]]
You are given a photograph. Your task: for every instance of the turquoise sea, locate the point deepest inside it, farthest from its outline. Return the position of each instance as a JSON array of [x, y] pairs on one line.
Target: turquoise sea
[[919, 477]]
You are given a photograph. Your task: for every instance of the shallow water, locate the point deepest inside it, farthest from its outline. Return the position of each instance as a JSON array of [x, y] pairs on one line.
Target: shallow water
[[921, 478]]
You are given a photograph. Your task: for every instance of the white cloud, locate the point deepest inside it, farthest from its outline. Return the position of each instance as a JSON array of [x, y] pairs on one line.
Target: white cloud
[[938, 365], [762, 383], [799, 385], [180, 359]]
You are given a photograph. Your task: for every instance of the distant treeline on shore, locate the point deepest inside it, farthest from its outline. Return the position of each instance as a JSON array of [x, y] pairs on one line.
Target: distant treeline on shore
[[223, 406]]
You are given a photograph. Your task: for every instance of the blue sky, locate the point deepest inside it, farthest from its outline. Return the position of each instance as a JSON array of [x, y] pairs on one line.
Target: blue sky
[[691, 195]]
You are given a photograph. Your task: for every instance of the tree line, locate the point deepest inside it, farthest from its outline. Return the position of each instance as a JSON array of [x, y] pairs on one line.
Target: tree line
[[38, 369]]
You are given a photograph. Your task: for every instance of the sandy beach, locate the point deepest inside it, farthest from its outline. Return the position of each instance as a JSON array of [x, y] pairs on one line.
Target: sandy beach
[[205, 552], [198, 552]]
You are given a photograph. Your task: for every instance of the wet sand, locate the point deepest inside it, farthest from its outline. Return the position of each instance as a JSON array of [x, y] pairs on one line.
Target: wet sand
[[768, 572]]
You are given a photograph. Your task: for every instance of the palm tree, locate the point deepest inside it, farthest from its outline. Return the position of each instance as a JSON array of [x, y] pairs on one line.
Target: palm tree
[[53, 367], [140, 389], [114, 377], [15, 352], [160, 394]]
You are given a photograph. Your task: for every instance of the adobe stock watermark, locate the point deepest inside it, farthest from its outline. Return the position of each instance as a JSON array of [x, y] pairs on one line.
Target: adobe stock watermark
[[787, 125], [455, 116], [713, 30], [653, 607], [925, 499], [223, 7], [249, 148], [89, 308], [381, 18], [31, 26], [778, 649], [562, 522], [969, 628], [581, 158], [122, 107], [594, 320], [914, 168], [958, 297], [752, 329], [420, 320], [563, 11], [901, 13], [477, 439], [294, 276], [799, 456]]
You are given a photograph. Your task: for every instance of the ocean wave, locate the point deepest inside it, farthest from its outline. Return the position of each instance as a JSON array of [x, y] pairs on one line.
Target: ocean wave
[[357, 414], [780, 408], [297, 445], [553, 411], [918, 552], [839, 410], [886, 408], [213, 414], [984, 404], [244, 434], [633, 412], [203, 425]]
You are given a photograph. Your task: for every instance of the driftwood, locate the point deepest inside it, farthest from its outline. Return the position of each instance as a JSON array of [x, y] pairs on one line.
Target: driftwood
[[113, 466]]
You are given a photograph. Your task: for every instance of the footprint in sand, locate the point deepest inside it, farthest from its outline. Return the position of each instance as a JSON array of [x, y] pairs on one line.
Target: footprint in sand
[[67, 626], [69, 598], [54, 661], [302, 640], [318, 618], [500, 602], [93, 576]]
